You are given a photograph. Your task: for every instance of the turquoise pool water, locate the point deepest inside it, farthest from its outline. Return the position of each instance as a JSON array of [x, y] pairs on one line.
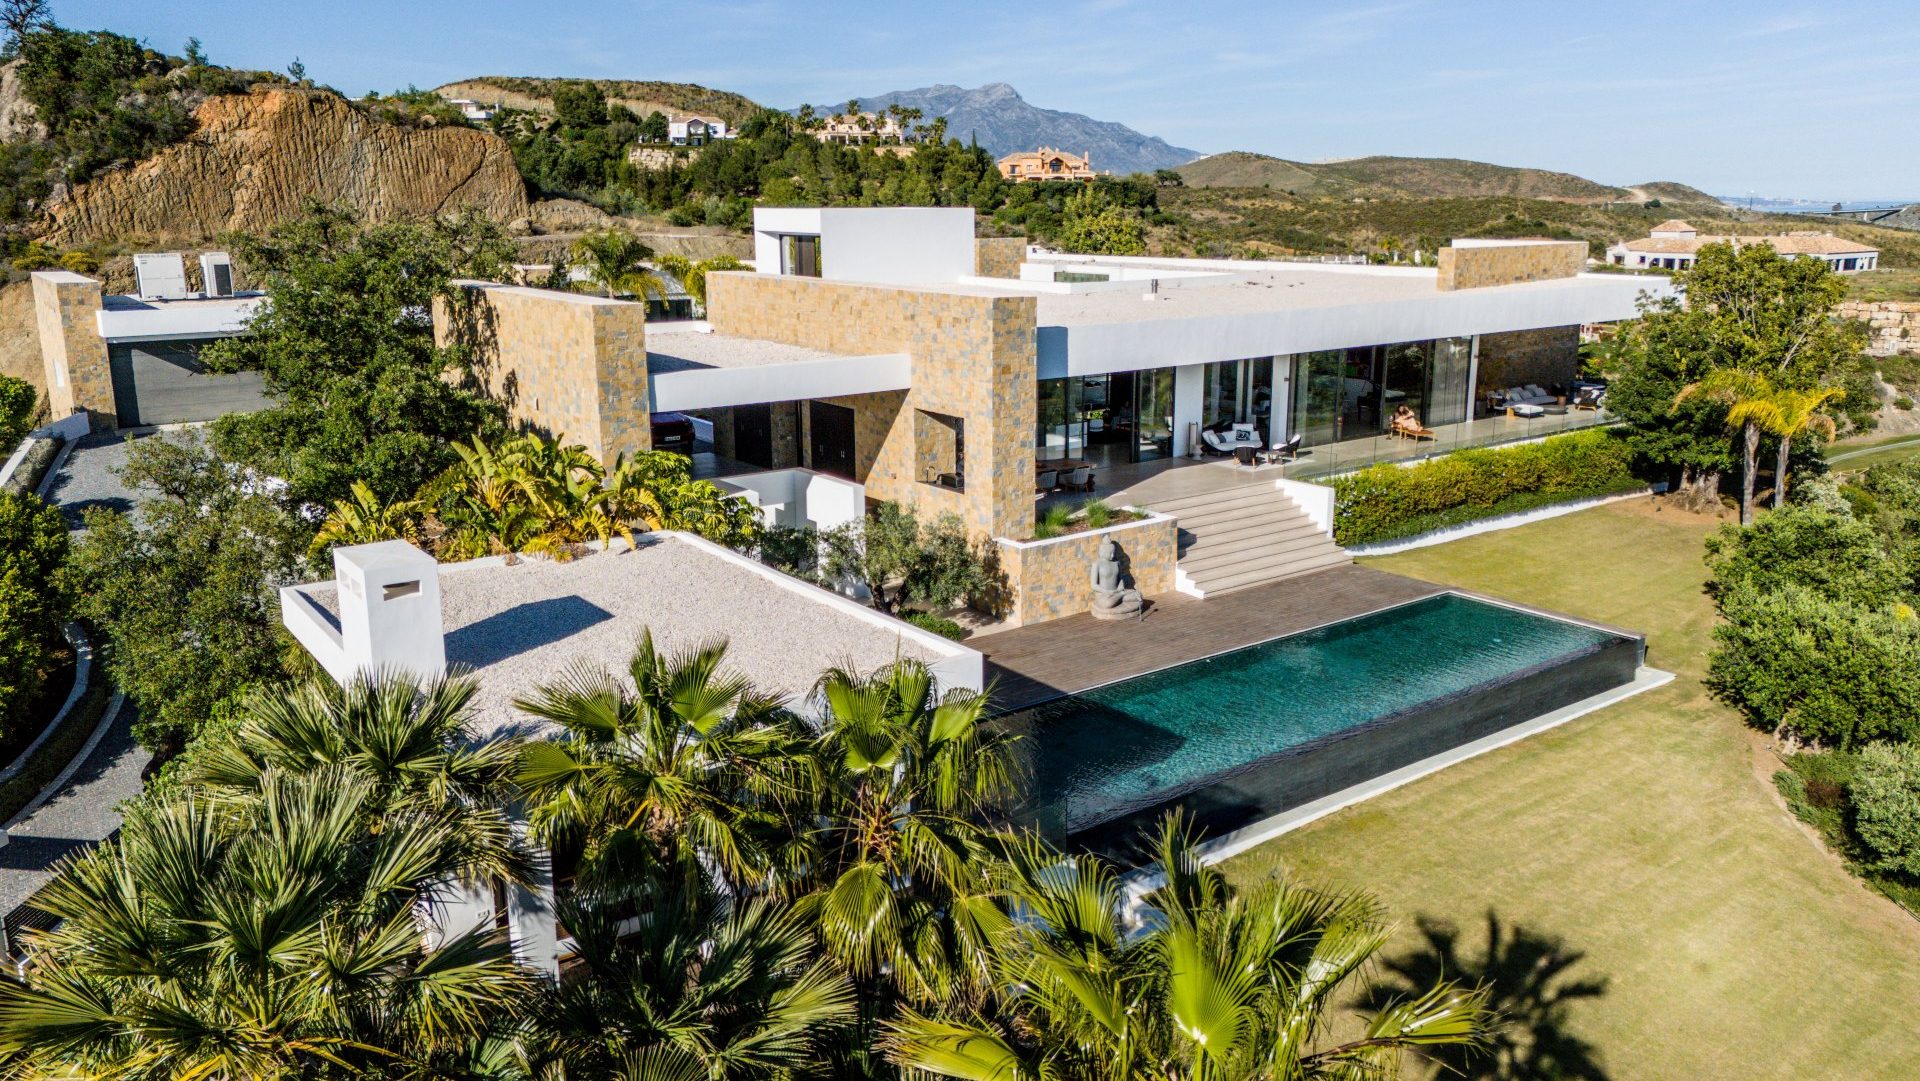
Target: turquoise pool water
[[1135, 744]]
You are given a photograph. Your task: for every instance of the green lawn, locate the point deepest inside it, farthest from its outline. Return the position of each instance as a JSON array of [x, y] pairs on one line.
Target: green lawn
[[1645, 838], [1854, 455]]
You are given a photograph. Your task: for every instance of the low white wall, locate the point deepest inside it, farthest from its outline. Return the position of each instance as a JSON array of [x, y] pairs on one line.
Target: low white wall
[[1315, 499], [792, 498], [1489, 525]]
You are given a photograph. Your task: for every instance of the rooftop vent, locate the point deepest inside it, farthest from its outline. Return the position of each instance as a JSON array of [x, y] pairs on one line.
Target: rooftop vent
[[216, 271], [161, 275], [385, 614]]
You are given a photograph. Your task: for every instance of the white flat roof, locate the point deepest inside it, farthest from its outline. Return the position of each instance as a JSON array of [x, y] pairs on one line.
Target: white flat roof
[[134, 319], [516, 627], [689, 369], [1261, 291]]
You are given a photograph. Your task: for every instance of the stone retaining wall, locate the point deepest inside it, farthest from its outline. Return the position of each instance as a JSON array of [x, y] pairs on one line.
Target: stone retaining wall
[[1049, 579], [1504, 264], [1893, 326]]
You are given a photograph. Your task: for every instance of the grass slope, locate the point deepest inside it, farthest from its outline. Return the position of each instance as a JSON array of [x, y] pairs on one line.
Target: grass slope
[[1418, 178], [641, 96], [1644, 837]]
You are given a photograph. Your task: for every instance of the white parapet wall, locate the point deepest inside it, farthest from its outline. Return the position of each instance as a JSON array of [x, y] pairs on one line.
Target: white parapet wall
[[798, 498], [1315, 499]]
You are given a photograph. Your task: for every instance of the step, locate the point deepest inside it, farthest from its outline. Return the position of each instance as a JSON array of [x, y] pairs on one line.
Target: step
[[1243, 579], [1227, 516], [1252, 532], [1229, 497], [1256, 553]]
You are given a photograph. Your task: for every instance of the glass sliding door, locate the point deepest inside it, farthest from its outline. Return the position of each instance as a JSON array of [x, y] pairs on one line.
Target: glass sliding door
[[1063, 429], [1220, 393], [1153, 410], [1448, 395]]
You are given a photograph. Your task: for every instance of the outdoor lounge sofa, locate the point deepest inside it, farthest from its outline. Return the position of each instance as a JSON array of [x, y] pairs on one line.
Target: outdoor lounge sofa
[[1230, 441]]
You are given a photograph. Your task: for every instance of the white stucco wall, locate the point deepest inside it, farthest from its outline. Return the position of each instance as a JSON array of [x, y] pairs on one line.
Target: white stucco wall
[[891, 245]]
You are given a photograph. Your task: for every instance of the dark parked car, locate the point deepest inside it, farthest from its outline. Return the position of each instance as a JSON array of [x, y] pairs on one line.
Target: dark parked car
[[674, 432]]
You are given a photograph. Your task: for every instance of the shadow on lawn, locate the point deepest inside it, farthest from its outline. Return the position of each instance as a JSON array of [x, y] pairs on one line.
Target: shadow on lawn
[[1533, 994]]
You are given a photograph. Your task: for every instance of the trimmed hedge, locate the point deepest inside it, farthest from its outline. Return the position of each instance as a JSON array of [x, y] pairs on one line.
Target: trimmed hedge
[[940, 625], [1386, 502]]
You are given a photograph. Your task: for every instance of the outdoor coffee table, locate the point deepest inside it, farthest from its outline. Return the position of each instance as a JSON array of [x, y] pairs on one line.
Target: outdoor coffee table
[[1524, 410]]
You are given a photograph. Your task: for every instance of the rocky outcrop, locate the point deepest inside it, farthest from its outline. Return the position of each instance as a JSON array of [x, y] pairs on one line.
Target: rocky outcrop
[[255, 158]]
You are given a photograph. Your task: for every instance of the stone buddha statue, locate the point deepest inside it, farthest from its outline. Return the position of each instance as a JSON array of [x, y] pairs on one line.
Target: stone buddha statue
[[1113, 595]]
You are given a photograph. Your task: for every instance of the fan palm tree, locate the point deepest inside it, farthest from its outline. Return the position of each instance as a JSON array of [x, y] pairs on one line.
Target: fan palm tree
[[614, 260], [692, 988], [1749, 398], [413, 741], [276, 942], [685, 766], [1797, 413], [365, 520], [1220, 986], [892, 844]]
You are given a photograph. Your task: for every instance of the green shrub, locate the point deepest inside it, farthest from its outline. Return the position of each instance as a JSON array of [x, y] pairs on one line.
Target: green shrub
[[795, 551], [1886, 806], [1792, 659], [17, 408], [1053, 522], [1099, 514], [33, 544], [940, 625], [1388, 501], [1838, 556], [1903, 402]]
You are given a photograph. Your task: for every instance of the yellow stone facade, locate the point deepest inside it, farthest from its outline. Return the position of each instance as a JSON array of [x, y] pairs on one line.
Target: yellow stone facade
[[66, 307], [972, 356], [567, 365], [999, 256], [1051, 579], [1505, 264]]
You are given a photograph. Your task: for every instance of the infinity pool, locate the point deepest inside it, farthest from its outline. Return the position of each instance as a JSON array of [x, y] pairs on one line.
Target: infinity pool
[[1250, 733]]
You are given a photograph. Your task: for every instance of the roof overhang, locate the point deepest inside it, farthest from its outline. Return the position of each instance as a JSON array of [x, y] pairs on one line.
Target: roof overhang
[[828, 377]]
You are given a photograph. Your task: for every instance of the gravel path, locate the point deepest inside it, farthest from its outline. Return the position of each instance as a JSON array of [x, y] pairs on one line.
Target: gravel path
[[90, 475], [82, 814]]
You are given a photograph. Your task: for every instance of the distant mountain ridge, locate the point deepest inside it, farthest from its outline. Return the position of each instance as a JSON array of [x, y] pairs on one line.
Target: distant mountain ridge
[[1420, 178], [1003, 122]]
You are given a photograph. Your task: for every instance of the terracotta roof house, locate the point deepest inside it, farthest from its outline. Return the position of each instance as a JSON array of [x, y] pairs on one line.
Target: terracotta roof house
[[1045, 163], [1673, 244]]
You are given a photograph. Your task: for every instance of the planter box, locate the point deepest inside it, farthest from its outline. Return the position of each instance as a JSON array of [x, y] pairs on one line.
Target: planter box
[[1048, 579]]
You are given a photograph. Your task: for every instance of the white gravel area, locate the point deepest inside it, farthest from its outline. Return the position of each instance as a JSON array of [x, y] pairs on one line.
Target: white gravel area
[[519, 626]]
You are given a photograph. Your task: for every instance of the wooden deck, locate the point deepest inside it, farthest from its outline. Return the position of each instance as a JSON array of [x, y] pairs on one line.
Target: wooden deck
[[1030, 665]]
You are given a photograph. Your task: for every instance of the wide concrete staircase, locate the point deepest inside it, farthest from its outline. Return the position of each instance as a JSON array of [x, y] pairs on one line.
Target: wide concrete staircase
[[1244, 536]]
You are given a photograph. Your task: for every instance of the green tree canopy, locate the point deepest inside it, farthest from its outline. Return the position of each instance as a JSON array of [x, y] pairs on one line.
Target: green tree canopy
[[33, 544], [345, 341]]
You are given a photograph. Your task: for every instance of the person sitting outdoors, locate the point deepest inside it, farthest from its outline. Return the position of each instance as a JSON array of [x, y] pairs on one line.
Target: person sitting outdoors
[[1407, 423]]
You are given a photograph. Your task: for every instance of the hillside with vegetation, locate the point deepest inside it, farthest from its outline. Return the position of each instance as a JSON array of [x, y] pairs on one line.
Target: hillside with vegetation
[[1255, 222], [1417, 178], [643, 96]]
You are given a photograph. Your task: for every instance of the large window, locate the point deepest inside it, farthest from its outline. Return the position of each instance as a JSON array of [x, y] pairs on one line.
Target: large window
[[1237, 391], [1124, 417], [800, 255], [1341, 394]]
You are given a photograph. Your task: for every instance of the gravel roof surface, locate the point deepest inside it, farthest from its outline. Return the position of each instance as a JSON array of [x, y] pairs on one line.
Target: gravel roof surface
[[681, 351], [522, 625]]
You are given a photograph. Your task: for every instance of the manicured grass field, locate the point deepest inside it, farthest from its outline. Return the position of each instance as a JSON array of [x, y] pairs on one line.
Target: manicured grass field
[[1855, 455], [1646, 838]]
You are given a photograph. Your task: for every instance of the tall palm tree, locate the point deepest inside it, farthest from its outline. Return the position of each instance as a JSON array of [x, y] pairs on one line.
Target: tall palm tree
[[892, 842], [685, 766], [1749, 398], [691, 988], [614, 260], [275, 938], [1796, 413], [1219, 986], [364, 520]]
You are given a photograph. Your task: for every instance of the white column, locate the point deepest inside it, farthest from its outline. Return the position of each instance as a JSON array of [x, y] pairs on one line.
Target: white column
[[1188, 386], [531, 920]]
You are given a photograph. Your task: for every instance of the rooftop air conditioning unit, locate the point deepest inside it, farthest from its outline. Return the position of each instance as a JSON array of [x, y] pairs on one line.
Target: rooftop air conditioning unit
[[161, 275], [216, 271]]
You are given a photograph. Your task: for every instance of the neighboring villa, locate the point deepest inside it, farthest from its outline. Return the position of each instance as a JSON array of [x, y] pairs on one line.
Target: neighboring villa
[[1045, 163], [475, 111], [1673, 245], [693, 130], [860, 129]]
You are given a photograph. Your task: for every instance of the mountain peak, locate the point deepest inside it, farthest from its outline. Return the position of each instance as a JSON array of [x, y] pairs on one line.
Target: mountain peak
[[1002, 122]]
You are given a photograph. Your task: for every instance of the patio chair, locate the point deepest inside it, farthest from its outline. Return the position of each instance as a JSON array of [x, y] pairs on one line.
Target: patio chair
[[1078, 479], [1290, 450], [1046, 480], [1244, 454]]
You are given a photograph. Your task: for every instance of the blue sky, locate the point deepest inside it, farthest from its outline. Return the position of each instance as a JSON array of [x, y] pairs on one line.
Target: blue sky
[[1790, 99]]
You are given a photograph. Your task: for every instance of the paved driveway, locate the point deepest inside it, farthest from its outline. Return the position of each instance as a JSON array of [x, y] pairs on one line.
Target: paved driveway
[[84, 812], [90, 477]]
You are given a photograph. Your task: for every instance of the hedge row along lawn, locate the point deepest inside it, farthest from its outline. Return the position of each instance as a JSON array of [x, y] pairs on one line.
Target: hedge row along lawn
[[1386, 502]]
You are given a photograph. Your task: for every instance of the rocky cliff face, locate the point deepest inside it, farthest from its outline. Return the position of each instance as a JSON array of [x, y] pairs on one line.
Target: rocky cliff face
[[256, 157]]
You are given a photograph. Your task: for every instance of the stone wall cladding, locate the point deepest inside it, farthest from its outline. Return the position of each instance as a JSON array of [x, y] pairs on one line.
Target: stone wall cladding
[[1893, 326], [1050, 579], [973, 358], [1549, 357], [74, 356], [1477, 267], [569, 366], [999, 256]]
